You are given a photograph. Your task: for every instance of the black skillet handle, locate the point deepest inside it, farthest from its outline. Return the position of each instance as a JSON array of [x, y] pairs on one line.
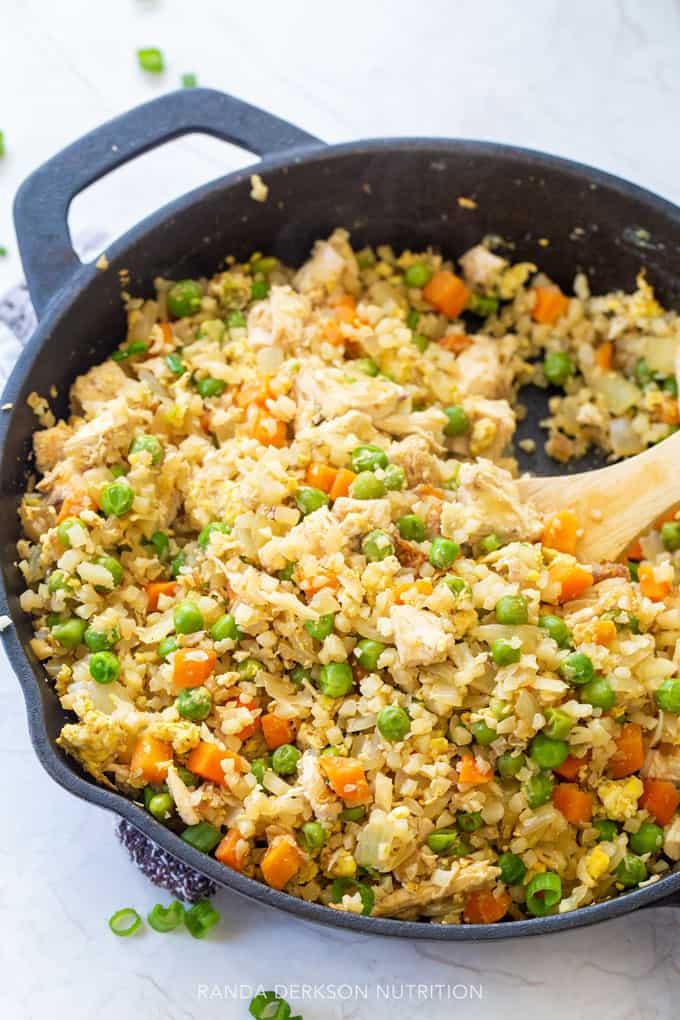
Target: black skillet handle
[[42, 203]]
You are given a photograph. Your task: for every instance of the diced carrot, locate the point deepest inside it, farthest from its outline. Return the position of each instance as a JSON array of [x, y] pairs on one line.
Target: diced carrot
[[634, 552], [455, 342], [670, 412], [604, 632], [74, 505], [572, 579], [233, 850], [561, 532], [550, 304], [660, 798], [570, 767], [423, 586], [345, 309], [343, 479], [156, 588], [256, 391], [425, 489], [206, 421], [268, 430], [276, 731], [191, 667], [166, 330], [347, 778], [248, 730], [486, 906], [332, 332], [575, 804], [447, 293], [206, 761], [471, 773], [150, 760], [630, 753], [649, 586], [317, 582], [604, 356], [281, 861], [321, 476]]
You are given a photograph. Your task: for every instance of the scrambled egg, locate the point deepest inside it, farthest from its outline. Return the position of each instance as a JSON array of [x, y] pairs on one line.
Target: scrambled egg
[[97, 741], [620, 797]]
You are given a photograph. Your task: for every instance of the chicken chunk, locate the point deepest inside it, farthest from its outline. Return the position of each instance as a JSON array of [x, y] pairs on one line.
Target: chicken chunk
[[48, 445], [465, 877], [98, 386], [329, 392], [36, 519], [481, 268], [658, 765], [102, 440], [484, 368], [359, 516], [280, 320], [334, 440], [488, 500], [414, 456], [420, 636], [332, 263]]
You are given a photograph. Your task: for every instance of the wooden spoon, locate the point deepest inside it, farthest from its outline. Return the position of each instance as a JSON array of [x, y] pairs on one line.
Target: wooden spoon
[[615, 504]]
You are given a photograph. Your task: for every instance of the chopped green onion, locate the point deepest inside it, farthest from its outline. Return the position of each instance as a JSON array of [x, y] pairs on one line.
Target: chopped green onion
[[544, 892], [344, 885], [268, 1006], [125, 922], [200, 918], [2, 144], [165, 919], [189, 80], [151, 60]]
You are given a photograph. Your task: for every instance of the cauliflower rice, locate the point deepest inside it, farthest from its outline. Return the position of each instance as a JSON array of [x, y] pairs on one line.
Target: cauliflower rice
[[280, 574]]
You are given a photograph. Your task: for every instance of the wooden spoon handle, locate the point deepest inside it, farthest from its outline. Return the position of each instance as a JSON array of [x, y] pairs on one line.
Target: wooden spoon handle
[[614, 504]]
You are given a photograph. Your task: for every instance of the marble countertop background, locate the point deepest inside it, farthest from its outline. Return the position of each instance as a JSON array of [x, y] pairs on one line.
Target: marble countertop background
[[597, 82]]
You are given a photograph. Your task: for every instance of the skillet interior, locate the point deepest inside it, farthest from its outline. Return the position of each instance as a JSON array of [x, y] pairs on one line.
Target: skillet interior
[[402, 192]]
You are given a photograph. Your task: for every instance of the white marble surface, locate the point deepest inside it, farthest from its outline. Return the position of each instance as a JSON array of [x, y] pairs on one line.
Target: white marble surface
[[596, 81]]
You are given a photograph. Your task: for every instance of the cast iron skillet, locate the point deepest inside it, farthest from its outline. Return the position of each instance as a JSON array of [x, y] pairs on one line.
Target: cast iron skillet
[[402, 191]]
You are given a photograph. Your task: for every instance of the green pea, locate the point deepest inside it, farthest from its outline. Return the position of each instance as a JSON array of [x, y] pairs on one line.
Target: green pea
[[577, 668], [483, 733], [367, 366], [265, 265], [312, 837], [194, 703], [417, 275], [236, 320], [512, 868], [483, 305], [175, 364], [117, 499], [670, 535], [184, 298], [367, 486], [647, 840], [64, 529], [205, 534], [101, 641], [224, 629], [469, 821], [299, 675], [202, 836], [548, 753], [285, 759], [394, 478], [259, 290], [420, 341], [598, 693], [447, 841], [210, 387], [508, 764], [118, 470], [148, 444], [160, 806], [443, 552], [412, 318], [161, 544], [512, 610], [309, 499], [458, 422], [456, 585], [368, 458], [335, 679], [248, 668], [259, 766], [166, 647], [288, 572], [352, 814], [538, 789], [188, 618], [411, 527], [320, 628], [556, 628], [643, 373], [630, 871], [176, 564], [368, 653], [491, 543], [114, 568], [503, 653], [607, 829], [393, 722], [558, 367], [558, 724], [57, 582], [104, 667], [377, 545], [69, 634], [668, 696]]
